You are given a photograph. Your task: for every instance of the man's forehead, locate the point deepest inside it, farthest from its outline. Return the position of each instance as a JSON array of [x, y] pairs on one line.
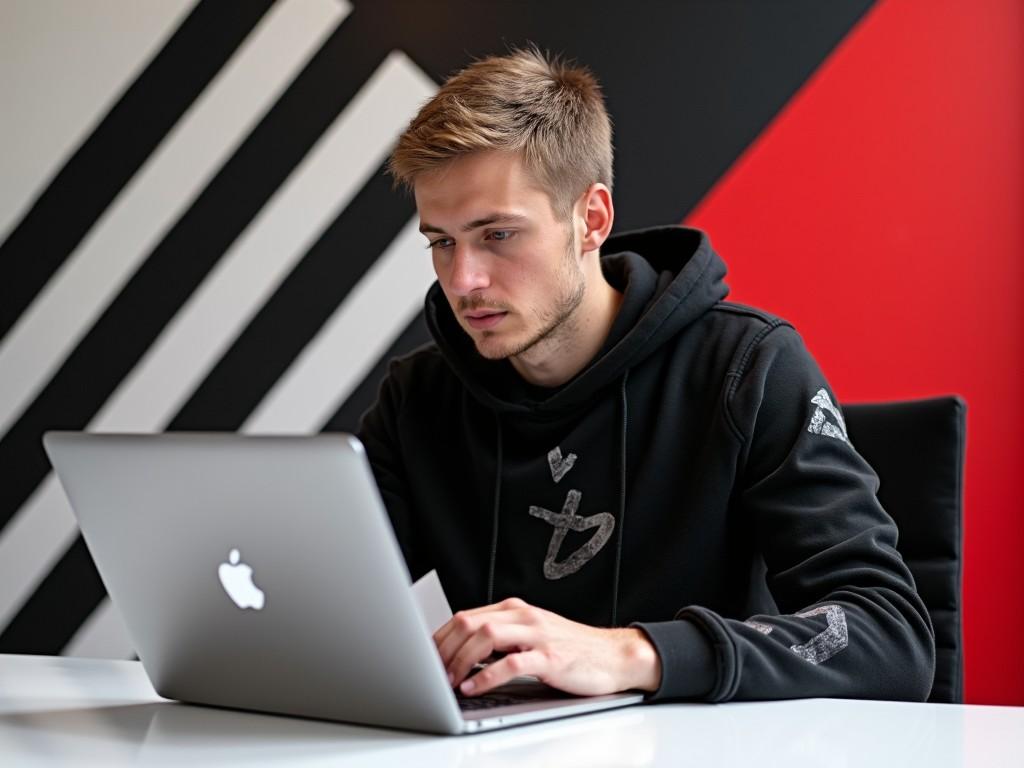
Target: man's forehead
[[477, 190]]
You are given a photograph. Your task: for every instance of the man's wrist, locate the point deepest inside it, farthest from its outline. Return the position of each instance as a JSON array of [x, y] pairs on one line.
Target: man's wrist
[[641, 662]]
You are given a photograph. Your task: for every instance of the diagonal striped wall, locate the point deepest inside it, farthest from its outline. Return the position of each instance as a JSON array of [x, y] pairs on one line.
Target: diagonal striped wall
[[235, 241], [196, 232]]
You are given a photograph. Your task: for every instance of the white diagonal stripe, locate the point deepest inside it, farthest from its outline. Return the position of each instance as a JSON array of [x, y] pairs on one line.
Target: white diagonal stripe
[[387, 297], [62, 67], [159, 193], [102, 635]]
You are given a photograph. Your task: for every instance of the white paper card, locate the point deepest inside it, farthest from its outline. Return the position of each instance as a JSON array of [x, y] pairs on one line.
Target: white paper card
[[432, 601]]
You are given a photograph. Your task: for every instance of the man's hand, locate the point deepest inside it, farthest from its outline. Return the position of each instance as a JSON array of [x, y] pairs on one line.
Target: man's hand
[[573, 657]]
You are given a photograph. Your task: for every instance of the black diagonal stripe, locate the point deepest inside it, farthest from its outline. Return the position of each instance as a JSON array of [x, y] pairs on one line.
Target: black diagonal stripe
[[298, 309], [128, 327], [689, 84], [346, 418], [113, 152], [59, 606], [285, 324]]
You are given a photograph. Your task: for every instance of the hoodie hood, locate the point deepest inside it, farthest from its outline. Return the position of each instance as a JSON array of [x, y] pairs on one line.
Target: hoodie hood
[[669, 277]]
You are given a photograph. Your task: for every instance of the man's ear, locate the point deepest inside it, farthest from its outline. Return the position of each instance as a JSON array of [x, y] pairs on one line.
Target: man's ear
[[597, 213]]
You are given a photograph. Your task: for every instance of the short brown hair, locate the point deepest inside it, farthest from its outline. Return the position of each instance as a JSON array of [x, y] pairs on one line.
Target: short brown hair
[[528, 102]]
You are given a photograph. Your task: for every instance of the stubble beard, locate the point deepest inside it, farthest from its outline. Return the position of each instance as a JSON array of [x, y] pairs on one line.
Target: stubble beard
[[560, 321]]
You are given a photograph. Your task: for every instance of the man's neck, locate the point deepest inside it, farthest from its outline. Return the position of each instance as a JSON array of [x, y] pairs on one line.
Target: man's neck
[[557, 359]]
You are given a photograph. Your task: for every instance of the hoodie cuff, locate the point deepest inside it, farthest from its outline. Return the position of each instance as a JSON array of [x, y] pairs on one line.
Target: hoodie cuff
[[688, 667]]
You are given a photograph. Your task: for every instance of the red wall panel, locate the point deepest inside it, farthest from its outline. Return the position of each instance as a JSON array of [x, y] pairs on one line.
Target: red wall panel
[[881, 212]]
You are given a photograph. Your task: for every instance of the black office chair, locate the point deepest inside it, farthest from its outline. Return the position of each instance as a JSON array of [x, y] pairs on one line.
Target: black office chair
[[917, 449]]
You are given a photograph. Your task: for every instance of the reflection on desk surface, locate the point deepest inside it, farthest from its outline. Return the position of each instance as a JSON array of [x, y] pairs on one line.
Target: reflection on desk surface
[[57, 711]]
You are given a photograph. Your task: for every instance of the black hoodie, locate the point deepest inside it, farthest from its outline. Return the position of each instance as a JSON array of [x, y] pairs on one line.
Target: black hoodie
[[695, 480]]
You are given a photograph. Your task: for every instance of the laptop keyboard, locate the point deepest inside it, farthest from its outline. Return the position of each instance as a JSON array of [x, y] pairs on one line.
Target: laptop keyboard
[[490, 701], [510, 695]]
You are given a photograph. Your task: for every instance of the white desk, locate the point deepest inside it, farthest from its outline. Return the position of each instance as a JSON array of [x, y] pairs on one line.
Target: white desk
[[60, 711]]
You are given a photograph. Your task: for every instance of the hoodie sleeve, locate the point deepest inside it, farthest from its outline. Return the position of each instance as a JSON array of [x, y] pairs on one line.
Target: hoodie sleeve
[[851, 623], [378, 431]]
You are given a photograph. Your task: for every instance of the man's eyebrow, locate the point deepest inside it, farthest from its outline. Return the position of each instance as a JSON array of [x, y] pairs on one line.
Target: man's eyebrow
[[493, 218]]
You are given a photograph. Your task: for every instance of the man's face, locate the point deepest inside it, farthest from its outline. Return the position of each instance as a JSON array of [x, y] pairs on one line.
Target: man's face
[[508, 268]]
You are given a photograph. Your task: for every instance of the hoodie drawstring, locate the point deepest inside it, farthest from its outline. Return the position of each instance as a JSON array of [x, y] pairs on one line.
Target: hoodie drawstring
[[624, 417], [494, 522], [623, 422]]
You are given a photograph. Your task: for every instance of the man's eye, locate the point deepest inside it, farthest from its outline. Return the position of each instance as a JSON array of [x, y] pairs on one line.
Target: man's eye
[[438, 243], [501, 235]]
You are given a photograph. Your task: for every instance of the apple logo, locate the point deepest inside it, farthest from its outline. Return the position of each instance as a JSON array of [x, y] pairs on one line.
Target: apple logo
[[236, 578]]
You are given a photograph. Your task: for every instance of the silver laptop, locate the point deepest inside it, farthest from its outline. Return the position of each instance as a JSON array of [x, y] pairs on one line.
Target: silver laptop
[[262, 573]]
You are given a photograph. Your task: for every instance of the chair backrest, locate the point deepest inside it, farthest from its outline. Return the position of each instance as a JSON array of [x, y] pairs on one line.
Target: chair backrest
[[917, 449]]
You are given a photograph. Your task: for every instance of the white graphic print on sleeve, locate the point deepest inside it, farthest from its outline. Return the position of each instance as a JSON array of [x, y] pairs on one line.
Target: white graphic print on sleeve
[[824, 645], [560, 467], [764, 629], [819, 425]]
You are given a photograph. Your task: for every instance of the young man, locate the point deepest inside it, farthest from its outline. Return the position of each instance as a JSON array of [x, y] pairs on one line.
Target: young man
[[624, 481]]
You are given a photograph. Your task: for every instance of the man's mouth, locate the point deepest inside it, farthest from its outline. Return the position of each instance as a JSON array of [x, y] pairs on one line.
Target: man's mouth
[[484, 320]]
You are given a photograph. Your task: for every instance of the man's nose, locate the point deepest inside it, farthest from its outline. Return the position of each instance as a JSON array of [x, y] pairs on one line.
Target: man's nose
[[468, 271]]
